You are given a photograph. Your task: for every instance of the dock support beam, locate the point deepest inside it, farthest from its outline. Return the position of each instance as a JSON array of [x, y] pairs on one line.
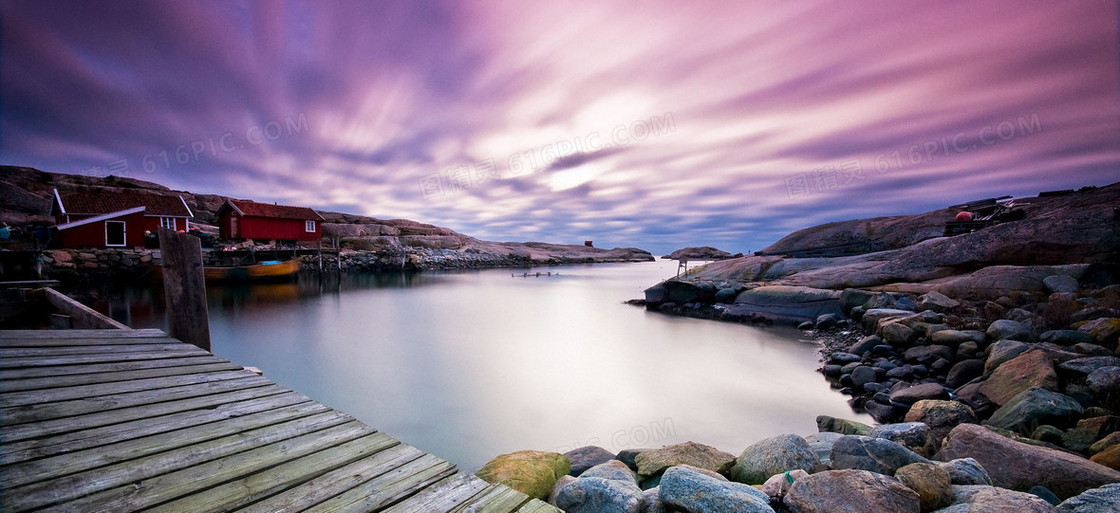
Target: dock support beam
[[185, 287]]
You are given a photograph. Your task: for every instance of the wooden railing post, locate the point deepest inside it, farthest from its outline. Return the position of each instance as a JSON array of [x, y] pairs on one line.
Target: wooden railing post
[[184, 287]]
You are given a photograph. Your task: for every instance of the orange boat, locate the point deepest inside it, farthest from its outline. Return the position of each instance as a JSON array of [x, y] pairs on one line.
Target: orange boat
[[271, 270]]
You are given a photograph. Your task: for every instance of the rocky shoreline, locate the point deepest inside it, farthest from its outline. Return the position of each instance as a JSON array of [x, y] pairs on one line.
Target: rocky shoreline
[[982, 407], [989, 359]]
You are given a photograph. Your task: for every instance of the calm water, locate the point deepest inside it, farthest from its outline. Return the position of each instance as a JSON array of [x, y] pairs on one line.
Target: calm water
[[470, 365]]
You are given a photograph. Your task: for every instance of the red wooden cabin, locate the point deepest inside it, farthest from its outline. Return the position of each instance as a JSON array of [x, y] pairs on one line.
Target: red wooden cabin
[[244, 219], [115, 219]]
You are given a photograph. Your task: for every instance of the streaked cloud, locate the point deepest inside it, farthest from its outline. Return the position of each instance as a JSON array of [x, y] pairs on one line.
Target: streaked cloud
[[659, 126]]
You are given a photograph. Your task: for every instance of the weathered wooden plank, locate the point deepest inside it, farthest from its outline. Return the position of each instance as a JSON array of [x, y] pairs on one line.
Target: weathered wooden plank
[[136, 483], [50, 395], [47, 335], [245, 402], [96, 368], [102, 418], [40, 412], [539, 506], [336, 482], [495, 498], [389, 487], [442, 496], [62, 464], [20, 385], [37, 361], [256, 486], [83, 316], [169, 344], [156, 486]]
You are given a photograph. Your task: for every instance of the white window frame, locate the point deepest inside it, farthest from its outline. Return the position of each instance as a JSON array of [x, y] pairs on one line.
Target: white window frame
[[124, 234], [169, 222], [309, 226]]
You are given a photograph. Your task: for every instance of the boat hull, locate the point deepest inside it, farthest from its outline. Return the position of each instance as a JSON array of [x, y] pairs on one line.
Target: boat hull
[[256, 272]]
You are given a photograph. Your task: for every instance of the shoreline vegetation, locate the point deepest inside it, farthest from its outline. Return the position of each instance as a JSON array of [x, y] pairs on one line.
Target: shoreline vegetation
[[988, 359]]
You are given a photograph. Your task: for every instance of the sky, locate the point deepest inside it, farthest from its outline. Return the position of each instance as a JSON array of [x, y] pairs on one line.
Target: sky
[[658, 124]]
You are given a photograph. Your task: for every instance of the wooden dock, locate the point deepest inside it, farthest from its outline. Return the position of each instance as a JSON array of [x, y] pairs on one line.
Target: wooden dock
[[129, 420]]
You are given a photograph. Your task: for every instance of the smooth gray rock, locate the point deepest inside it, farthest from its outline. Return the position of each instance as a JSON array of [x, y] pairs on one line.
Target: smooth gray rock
[[915, 436], [822, 445], [924, 391], [628, 456], [1085, 366], [865, 344], [606, 488], [1033, 407], [936, 301], [861, 376], [872, 454], [786, 302], [1105, 499], [1104, 383], [964, 371], [1060, 283], [955, 338], [696, 492], [828, 424], [586, 457], [1007, 329], [898, 334], [772, 456], [836, 491], [966, 471]]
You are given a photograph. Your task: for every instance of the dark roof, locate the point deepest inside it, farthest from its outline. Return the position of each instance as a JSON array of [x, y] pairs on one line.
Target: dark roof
[[91, 202], [254, 209]]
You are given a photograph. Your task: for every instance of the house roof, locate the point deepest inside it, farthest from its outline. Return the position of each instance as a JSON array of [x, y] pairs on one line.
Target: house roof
[[96, 203], [254, 209]]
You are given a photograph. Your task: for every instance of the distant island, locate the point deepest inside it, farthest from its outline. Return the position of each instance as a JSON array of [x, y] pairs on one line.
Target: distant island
[[700, 253]]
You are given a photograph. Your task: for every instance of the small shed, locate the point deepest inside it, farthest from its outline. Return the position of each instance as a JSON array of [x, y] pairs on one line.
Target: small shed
[[245, 219], [102, 219]]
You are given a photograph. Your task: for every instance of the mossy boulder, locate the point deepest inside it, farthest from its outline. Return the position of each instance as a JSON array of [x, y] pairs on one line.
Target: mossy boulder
[[530, 472]]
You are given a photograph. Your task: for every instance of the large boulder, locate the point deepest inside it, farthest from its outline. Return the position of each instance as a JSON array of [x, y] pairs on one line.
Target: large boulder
[[1060, 283], [1105, 499], [915, 436], [827, 424], [655, 461], [966, 471], [873, 454], [1034, 407], [941, 416], [789, 303], [1020, 466], [931, 483], [991, 499], [583, 458], [1109, 457], [861, 491], [530, 472], [1033, 368], [772, 456], [607, 488], [1007, 329], [695, 492], [1080, 367]]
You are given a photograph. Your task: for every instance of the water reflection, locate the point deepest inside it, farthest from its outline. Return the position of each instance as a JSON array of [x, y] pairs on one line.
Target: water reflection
[[469, 365]]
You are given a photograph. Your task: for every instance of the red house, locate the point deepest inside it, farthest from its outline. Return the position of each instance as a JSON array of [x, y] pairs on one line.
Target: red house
[[244, 219], [115, 219]]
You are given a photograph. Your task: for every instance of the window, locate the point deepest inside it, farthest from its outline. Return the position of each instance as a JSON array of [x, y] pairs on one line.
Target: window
[[114, 233], [168, 222], [309, 226]]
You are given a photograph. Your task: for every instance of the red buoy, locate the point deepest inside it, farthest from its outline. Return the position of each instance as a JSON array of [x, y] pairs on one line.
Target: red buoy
[[964, 216]]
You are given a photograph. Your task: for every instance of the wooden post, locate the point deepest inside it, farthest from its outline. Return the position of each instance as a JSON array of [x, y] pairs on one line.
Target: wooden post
[[185, 287]]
